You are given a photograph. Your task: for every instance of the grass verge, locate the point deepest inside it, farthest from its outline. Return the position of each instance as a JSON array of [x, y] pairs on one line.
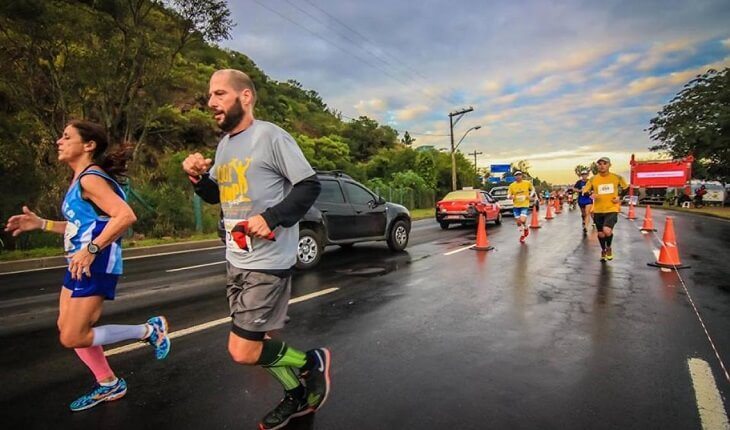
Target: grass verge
[[417, 214]]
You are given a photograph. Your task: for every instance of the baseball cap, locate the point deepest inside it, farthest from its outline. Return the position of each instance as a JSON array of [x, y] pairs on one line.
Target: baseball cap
[[517, 173], [606, 159]]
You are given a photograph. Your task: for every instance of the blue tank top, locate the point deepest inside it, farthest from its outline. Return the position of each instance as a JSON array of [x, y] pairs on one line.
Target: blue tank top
[[582, 199], [84, 224]]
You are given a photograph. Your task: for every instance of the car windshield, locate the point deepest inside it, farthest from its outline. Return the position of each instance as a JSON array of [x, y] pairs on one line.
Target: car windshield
[[460, 195]]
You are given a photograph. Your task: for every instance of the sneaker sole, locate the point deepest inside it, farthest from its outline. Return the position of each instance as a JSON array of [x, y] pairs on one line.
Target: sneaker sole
[[328, 360], [105, 399], [285, 423]]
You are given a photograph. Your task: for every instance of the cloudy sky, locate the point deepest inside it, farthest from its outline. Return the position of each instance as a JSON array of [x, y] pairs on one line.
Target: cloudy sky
[[556, 83]]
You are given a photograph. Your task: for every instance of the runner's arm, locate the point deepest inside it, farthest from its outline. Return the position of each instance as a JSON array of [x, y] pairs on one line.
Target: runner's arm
[[121, 216], [206, 188], [29, 221], [587, 187], [290, 210]]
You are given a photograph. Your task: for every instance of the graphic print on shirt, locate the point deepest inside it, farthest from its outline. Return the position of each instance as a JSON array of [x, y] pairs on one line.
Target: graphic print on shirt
[[235, 199]]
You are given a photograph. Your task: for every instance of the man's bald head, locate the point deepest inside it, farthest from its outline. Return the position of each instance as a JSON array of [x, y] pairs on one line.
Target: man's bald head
[[239, 81]]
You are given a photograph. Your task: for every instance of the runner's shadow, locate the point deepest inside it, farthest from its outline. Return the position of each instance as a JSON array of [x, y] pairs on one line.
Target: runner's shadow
[[605, 282], [302, 423]]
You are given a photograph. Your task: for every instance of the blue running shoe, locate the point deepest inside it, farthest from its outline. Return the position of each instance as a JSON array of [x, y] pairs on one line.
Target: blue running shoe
[[99, 394], [158, 338]]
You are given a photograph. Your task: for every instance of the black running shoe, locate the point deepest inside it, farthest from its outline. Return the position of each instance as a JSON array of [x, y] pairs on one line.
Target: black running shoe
[[317, 379], [287, 409]]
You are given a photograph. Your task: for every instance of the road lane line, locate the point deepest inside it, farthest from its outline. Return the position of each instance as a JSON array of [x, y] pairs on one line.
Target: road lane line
[[459, 250], [709, 403], [211, 324], [195, 267]]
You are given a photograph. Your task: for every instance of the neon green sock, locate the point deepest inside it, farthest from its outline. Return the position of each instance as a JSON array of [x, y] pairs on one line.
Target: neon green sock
[[286, 377], [278, 354]]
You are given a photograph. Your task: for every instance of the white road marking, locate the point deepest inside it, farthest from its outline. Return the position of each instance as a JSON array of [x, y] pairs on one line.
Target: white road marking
[[656, 253], [459, 250], [709, 402], [195, 267], [160, 254], [210, 324]]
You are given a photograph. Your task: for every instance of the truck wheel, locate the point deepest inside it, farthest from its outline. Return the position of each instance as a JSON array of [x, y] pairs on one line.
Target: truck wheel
[[444, 225], [498, 220], [309, 249], [399, 235]]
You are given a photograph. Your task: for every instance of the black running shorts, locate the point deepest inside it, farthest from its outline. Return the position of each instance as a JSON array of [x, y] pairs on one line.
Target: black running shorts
[[608, 219]]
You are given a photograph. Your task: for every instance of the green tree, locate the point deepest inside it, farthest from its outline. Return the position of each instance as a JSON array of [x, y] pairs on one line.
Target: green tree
[[426, 167], [697, 122], [366, 137], [409, 179], [407, 140]]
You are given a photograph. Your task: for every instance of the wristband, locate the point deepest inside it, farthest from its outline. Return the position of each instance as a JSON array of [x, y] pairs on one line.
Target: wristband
[[48, 225]]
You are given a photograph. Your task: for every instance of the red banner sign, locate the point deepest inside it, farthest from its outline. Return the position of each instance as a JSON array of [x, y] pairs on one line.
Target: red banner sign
[[661, 173]]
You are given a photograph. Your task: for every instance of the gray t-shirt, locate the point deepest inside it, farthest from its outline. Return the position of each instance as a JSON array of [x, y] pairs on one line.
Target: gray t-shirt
[[255, 170]]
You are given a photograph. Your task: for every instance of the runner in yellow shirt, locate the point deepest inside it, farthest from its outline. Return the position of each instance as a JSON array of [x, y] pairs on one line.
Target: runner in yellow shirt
[[520, 192], [606, 189]]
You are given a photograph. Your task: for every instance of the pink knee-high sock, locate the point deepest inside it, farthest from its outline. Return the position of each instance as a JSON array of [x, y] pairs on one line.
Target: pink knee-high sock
[[94, 358]]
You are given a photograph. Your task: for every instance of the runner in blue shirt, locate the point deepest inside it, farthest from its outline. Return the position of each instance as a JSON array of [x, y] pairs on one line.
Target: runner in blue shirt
[[96, 215], [585, 202]]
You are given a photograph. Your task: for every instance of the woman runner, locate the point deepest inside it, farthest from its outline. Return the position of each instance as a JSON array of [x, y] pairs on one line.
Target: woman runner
[[96, 217]]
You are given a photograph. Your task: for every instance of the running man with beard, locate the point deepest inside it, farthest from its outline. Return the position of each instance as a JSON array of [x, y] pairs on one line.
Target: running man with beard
[[265, 186], [606, 188]]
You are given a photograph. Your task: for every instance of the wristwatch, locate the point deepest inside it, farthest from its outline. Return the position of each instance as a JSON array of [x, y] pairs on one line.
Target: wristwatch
[[93, 248]]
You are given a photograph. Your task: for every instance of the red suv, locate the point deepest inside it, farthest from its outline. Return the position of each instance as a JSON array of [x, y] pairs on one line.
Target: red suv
[[461, 207]]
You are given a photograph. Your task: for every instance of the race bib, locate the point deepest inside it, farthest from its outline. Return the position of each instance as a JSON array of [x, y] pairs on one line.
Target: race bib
[[606, 189], [240, 243], [520, 198], [68, 235]]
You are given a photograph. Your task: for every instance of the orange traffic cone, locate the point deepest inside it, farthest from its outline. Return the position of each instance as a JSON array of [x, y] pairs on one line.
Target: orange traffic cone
[[632, 211], [535, 223], [549, 213], [482, 239], [558, 206], [669, 254], [648, 222]]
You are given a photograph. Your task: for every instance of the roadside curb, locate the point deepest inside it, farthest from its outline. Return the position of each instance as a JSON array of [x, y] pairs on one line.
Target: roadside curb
[[46, 262]]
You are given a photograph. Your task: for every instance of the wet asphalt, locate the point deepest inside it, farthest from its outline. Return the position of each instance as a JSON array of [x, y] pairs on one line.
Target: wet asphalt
[[540, 335]]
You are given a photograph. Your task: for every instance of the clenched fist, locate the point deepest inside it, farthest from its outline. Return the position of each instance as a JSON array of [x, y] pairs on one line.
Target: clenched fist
[[195, 164]]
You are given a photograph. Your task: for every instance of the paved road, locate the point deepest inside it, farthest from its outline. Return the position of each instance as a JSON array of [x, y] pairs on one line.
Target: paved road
[[541, 335]]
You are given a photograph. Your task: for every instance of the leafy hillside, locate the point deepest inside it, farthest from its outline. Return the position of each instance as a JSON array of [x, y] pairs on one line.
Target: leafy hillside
[[141, 68]]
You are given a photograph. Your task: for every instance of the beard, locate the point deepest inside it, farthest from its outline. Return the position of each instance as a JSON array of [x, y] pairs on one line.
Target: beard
[[232, 117]]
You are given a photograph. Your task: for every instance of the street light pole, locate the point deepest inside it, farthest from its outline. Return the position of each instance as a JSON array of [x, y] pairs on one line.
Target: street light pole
[[452, 123]]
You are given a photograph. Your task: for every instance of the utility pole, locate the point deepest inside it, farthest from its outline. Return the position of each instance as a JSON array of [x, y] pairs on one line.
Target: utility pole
[[475, 153], [452, 123]]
